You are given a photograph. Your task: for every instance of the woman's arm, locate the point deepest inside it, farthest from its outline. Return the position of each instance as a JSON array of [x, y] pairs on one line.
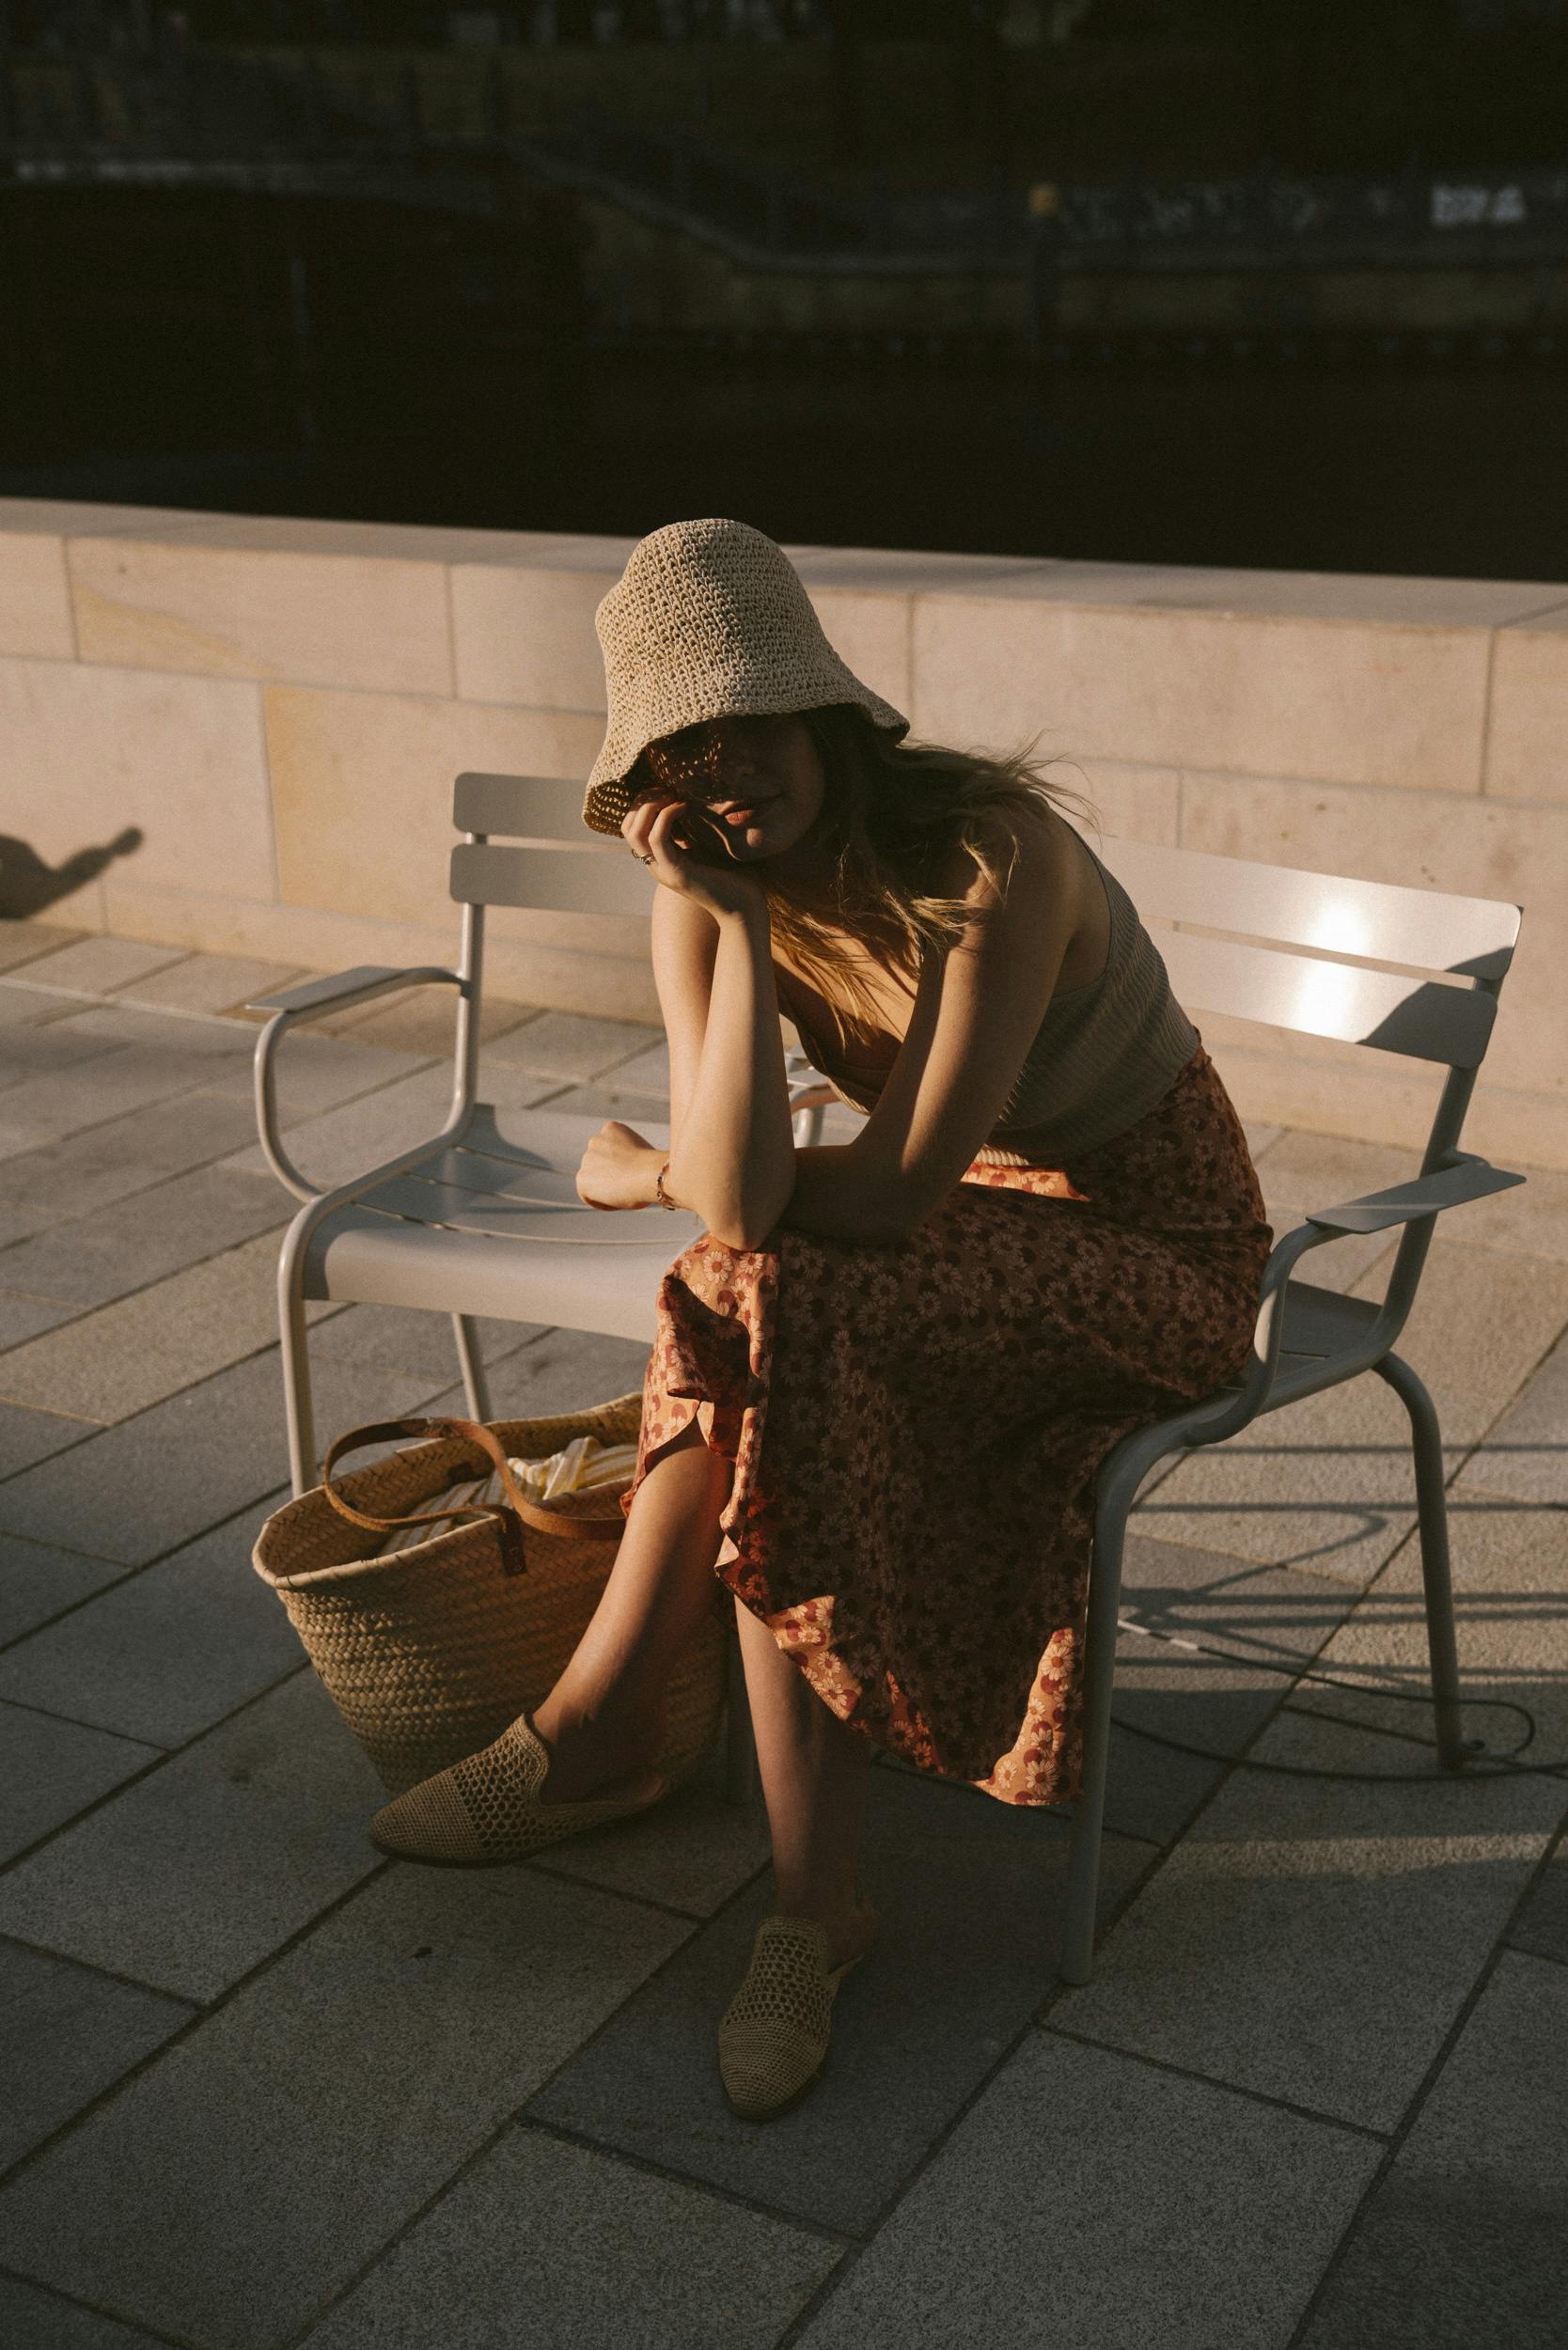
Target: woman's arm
[[734, 1158], [733, 1154]]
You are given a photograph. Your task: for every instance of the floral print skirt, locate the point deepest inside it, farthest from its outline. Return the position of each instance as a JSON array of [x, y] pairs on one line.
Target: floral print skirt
[[915, 1425]]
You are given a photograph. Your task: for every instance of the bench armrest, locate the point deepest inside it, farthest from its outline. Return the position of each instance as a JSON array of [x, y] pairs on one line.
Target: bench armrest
[[289, 1007], [342, 988], [1469, 1178], [1466, 1177]]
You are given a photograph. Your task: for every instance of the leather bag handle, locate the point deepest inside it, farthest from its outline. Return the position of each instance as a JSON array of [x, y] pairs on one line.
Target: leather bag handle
[[509, 1517]]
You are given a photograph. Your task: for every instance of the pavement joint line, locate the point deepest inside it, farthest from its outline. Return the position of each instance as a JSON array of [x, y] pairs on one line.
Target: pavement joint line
[[98, 2309], [830, 2283], [193, 2023], [1213, 2080], [109, 1974], [1423, 2090], [200, 1085], [85, 998], [123, 1786], [521, 2117], [69, 1609], [142, 1288]]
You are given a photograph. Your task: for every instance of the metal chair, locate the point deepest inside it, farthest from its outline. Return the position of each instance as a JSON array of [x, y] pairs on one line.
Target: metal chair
[[484, 1216]]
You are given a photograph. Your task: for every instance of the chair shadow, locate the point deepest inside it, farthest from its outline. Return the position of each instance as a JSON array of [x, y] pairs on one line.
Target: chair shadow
[[28, 884]]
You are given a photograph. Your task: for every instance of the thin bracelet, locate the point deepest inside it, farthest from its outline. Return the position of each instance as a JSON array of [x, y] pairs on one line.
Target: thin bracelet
[[664, 1198]]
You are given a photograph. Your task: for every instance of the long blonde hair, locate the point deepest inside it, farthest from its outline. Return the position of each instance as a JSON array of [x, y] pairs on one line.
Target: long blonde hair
[[890, 813]]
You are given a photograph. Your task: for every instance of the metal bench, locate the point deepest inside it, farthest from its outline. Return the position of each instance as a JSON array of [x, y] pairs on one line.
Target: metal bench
[[484, 1217]]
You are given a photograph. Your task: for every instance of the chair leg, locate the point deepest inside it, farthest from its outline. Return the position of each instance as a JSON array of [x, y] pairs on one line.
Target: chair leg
[[296, 1359], [475, 1385], [1083, 1859], [743, 1778], [1433, 1517]]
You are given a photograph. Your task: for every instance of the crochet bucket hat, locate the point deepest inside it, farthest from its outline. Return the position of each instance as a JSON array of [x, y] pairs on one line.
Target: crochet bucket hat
[[709, 620]]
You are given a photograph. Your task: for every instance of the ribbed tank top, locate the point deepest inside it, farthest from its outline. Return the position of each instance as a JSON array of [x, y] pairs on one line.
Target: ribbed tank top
[[1102, 1057]]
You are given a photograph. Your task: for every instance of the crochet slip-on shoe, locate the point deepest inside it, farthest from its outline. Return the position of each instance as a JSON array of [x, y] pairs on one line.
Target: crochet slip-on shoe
[[487, 1808], [774, 2040]]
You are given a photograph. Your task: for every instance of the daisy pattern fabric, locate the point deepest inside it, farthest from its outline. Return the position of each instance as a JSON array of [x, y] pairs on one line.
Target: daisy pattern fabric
[[915, 1428]]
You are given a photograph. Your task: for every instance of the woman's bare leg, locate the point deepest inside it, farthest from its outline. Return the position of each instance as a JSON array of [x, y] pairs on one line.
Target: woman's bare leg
[[813, 1768], [605, 1717]]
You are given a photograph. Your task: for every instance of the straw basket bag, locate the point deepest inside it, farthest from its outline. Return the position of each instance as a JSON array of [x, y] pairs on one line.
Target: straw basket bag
[[429, 1653]]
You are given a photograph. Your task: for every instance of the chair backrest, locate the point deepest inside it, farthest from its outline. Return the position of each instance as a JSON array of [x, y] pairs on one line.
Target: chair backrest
[[1440, 1008]]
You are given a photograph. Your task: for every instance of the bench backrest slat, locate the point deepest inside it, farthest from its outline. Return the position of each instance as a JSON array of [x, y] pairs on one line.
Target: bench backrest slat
[[603, 881], [1423, 1019], [523, 808], [1253, 975], [1383, 921]]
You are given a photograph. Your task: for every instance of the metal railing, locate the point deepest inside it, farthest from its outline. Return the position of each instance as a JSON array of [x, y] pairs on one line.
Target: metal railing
[[229, 117]]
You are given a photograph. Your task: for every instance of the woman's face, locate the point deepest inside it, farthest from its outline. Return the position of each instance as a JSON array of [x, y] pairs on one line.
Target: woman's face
[[759, 779]]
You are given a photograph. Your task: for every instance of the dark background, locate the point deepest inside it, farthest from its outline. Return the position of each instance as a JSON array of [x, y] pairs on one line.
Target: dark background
[[236, 274]]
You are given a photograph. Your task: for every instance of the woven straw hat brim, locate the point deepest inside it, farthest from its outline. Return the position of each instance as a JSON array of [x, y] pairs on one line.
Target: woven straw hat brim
[[709, 620]]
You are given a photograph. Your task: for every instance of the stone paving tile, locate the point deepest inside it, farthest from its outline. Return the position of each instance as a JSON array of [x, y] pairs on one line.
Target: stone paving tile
[[1314, 1939], [123, 1155], [1178, 2213], [194, 1036], [18, 1223], [1464, 2247], [92, 1259], [26, 1437], [426, 1022], [1525, 1454], [1259, 1615], [191, 1878], [126, 1077], [646, 1071], [969, 1893], [95, 966], [23, 1007], [23, 1318], [403, 1339], [43, 2321], [574, 1044], [65, 2033], [164, 1654], [122, 1359], [220, 1445], [358, 1135], [1510, 1574], [52, 1769], [44, 1049], [613, 2275], [641, 1111], [15, 1140], [28, 942], [559, 1372], [1331, 1481], [1481, 1324], [250, 2172], [210, 982], [37, 1581], [692, 1852], [316, 1073], [1542, 1925], [1327, 1484]]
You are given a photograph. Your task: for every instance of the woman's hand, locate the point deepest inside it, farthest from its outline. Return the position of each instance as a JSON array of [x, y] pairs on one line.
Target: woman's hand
[[619, 1168], [653, 827]]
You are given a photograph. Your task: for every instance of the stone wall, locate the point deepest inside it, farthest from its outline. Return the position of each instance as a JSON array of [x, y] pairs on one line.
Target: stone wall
[[278, 707]]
